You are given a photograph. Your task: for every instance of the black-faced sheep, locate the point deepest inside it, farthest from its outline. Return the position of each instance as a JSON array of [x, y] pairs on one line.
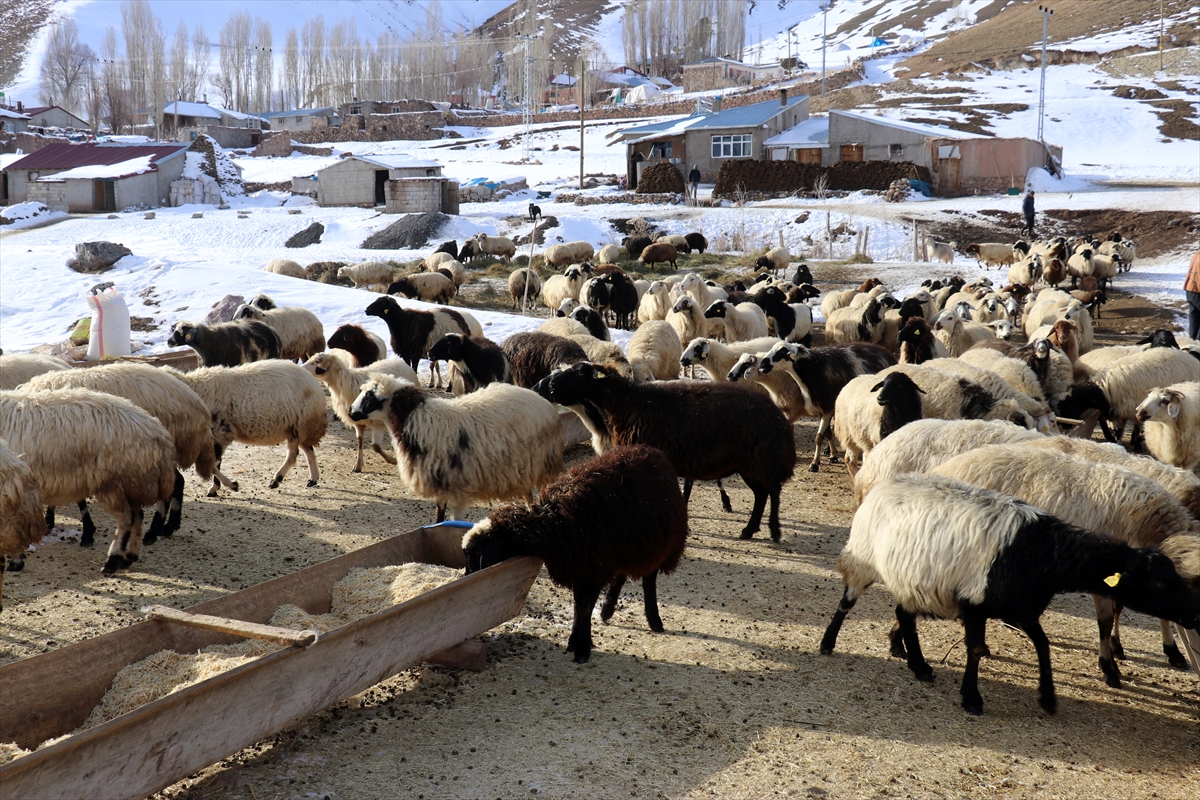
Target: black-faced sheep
[[596, 294], [430, 287], [18, 368], [480, 362], [634, 245], [718, 358], [363, 346], [21, 522], [793, 321], [617, 516], [869, 409], [414, 332], [917, 342], [80, 444], [264, 403], [622, 298], [742, 323], [533, 355], [678, 417], [499, 443], [227, 344], [591, 319], [560, 287], [300, 332], [367, 273], [524, 286], [776, 259], [450, 248], [784, 391], [1170, 418], [949, 550]]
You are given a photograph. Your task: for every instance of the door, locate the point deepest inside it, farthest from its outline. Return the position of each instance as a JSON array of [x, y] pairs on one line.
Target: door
[[809, 155], [104, 195], [381, 177], [852, 152], [949, 175]]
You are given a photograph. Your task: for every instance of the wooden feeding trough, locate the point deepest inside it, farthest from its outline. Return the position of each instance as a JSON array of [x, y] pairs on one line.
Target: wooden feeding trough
[[162, 742]]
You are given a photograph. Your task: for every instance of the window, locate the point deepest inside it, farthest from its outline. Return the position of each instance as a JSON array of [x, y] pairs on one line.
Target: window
[[738, 145], [895, 150], [354, 110]]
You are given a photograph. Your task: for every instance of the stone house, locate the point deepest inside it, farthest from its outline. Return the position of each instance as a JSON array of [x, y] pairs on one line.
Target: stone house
[[96, 177], [56, 117], [400, 183], [725, 73]]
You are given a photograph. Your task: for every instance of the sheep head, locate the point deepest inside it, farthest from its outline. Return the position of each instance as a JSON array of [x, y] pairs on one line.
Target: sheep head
[[447, 348], [1160, 404], [383, 307], [575, 384], [183, 333], [717, 310], [320, 364], [783, 351], [696, 352], [745, 366]]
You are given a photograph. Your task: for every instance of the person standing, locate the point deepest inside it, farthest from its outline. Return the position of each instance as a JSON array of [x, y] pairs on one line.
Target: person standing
[[1191, 287], [694, 181], [1027, 207]]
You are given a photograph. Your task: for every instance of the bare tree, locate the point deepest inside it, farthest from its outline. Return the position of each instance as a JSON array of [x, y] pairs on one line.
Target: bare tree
[[157, 75], [312, 41], [201, 63], [263, 67], [180, 68], [141, 29], [290, 80], [118, 99], [65, 67]]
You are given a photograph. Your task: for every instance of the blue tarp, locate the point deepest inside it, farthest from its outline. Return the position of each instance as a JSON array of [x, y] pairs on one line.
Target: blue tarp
[[922, 186], [879, 42]]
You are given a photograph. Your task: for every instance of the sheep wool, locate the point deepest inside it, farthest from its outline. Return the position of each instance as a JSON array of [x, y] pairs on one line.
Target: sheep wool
[[285, 266], [21, 523], [367, 273], [654, 352], [18, 368], [1170, 418], [299, 330]]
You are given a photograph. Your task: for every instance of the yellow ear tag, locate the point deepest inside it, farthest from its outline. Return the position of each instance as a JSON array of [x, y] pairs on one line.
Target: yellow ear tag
[[1114, 579]]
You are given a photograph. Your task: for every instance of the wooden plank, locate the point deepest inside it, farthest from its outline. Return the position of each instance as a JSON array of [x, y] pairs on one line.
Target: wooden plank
[[470, 655], [234, 627], [148, 749], [51, 694], [1084, 427]]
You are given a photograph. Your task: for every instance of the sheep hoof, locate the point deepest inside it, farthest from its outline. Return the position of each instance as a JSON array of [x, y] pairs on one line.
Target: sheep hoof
[[114, 563], [1117, 650], [275, 483], [776, 535], [150, 538], [814, 467], [15, 564], [132, 557], [1175, 657], [311, 484], [726, 506], [87, 540], [583, 656], [923, 673], [357, 469], [1113, 680], [233, 487], [972, 708], [1048, 702], [656, 625], [212, 492], [747, 534]]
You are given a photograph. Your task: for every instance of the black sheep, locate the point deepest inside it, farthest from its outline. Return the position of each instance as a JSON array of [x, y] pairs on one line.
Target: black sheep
[[917, 342], [470, 249], [355, 340], [623, 298], [533, 355], [597, 294], [591, 320], [534, 213], [802, 275], [414, 332], [615, 517], [450, 248], [679, 418], [479, 360], [634, 245], [805, 291], [696, 241], [900, 398], [791, 324], [227, 344], [1160, 338]]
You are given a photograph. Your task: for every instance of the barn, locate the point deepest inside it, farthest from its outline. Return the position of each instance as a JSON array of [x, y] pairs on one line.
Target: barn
[[96, 177], [400, 183]]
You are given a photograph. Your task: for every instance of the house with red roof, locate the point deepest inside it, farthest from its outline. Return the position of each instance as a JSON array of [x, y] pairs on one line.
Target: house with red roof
[[96, 176]]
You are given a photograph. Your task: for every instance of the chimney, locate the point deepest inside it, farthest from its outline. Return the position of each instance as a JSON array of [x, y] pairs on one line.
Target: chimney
[[783, 97], [20, 107], [716, 105]]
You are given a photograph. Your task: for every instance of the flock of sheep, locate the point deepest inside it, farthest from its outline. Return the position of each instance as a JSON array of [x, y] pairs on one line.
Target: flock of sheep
[[948, 428]]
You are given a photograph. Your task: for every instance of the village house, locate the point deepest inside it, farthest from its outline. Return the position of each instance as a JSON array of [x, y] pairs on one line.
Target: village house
[[96, 177], [56, 117], [186, 121], [400, 183], [725, 73], [297, 119], [13, 121]]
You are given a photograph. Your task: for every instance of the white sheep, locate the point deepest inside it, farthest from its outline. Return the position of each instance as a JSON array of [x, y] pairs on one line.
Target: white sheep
[[299, 330], [21, 523], [718, 358], [783, 389], [655, 303], [1170, 418], [857, 323], [567, 306], [991, 254], [603, 352], [832, 301], [609, 254], [368, 273], [80, 444], [559, 287], [583, 250], [940, 251], [564, 326], [742, 322], [436, 260], [776, 259], [1013, 370], [679, 240], [699, 290], [430, 287], [687, 318], [524, 286], [957, 334], [18, 368], [1092, 362], [285, 266], [654, 352], [1036, 407], [1026, 272], [500, 246], [558, 255], [499, 443], [452, 268], [262, 403]]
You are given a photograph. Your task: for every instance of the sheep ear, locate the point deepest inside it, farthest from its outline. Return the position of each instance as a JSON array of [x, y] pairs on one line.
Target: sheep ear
[[1174, 407], [877, 387]]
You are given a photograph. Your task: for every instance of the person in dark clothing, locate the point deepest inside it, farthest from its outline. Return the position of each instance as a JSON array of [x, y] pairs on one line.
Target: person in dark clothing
[[694, 179], [1027, 207], [1191, 287]]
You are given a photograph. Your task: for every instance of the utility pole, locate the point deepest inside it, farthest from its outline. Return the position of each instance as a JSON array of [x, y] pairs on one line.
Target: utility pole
[[824, 34], [582, 107], [527, 110], [1046, 14], [1160, 35]]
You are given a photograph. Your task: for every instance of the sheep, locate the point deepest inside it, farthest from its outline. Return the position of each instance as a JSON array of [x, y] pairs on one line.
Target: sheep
[[453, 269], [785, 392], [696, 241], [535, 354], [1015, 371], [718, 358], [958, 335], [437, 259], [1118, 389], [634, 245], [450, 248], [566, 307], [592, 321], [344, 382], [484, 245], [617, 516], [868, 409], [363, 346], [477, 360], [367, 273], [701, 291], [822, 372], [559, 287], [1090, 363], [430, 287], [1054, 271], [609, 254], [21, 522], [654, 352], [227, 344], [1108, 499], [563, 326], [917, 342], [1080, 265], [1026, 272], [558, 255], [160, 394], [299, 330], [856, 323], [949, 550], [583, 250], [499, 443], [940, 251], [655, 304], [79, 444], [677, 417], [659, 254], [285, 266], [414, 332], [18, 368], [792, 321], [680, 242], [688, 320], [524, 286], [775, 259], [1037, 409], [991, 253], [1170, 420], [622, 298], [263, 403], [1161, 338], [596, 294], [606, 353], [742, 323], [1105, 268], [924, 444], [835, 300]]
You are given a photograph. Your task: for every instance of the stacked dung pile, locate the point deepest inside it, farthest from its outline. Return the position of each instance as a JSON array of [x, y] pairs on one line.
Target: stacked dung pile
[[661, 179]]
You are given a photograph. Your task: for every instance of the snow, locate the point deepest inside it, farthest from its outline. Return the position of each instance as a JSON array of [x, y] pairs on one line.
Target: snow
[[27, 215], [132, 166]]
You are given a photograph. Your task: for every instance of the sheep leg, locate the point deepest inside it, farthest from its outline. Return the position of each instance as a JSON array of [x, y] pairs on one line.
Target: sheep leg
[[359, 433], [896, 642], [580, 642], [976, 630], [89, 528], [687, 492], [219, 477], [916, 659], [441, 512], [377, 446], [175, 509], [1170, 649], [1107, 431], [1041, 643], [49, 519], [1104, 620], [725, 504], [157, 523], [13, 564], [822, 432], [773, 520], [122, 551], [650, 595], [293, 450], [755, 522], [611, 597], [1117, 650], [313, 474], [849, 598]]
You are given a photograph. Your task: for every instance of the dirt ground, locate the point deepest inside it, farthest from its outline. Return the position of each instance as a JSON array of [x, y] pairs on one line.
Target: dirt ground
[[733, 701]]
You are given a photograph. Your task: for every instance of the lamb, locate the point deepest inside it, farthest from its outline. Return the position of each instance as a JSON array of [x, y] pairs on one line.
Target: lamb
[[940, 251], [534, 355], [1170, 420], [344, 382], [299, 331], [499, 443], [756, 441], [718, 358], [742, 323], [21, 522], [414, 332], [958, 335], [367, 273], [609, 254], [775, 259], [792, 321], [696, 241], [227, 344], [822, 372], [950, 550], [659, 253], [654, 352], [18, 368], [1118, 389], [430, 287], [622, 298], [680, 242], [608, 354], [593, 321], [1108, 499], [615, 517], [655, 304], [564, 326], [991, 253], [363, 346], [559, 287], [285, 266], [785, 392], [79, 444], [918, 343], [263, 403], [922, 445]]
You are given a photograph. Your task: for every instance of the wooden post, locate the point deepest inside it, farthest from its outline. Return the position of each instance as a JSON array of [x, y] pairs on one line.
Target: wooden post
[[582, 107]]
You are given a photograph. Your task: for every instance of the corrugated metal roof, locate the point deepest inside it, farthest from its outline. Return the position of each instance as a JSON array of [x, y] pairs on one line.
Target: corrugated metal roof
[[932, 131], [747, 116], [69, 156], [812, 132]]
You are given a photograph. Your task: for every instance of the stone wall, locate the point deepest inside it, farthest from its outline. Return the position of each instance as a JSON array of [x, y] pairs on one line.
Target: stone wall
[[278, 144], [418, 195], [53, 195], [27, 142]]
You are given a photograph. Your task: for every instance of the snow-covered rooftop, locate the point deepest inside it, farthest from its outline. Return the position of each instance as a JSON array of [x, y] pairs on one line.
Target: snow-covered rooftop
[[398, 161], [121, 169], [6, 114], [186, 109], [812, 132], [936, 131]]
